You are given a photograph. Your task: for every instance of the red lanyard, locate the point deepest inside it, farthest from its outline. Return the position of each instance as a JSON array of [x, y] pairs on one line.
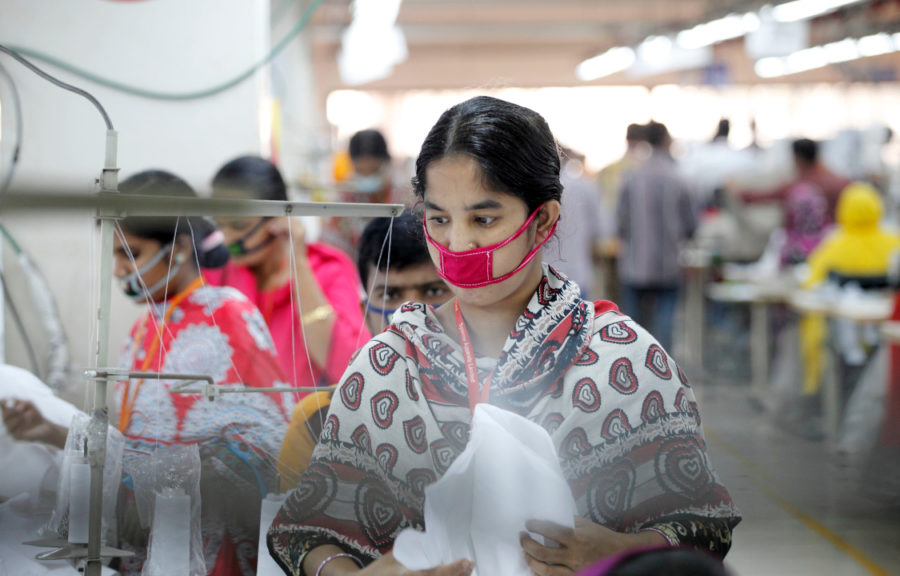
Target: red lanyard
[[129, 400], [478, 392]]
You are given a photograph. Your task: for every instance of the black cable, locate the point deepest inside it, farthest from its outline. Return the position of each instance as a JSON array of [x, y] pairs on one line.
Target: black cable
[[17, 107], [29, 347], [22, 60]]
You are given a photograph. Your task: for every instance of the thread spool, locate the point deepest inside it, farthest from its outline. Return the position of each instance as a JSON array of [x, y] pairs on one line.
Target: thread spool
[[79, 500], [170, 535]]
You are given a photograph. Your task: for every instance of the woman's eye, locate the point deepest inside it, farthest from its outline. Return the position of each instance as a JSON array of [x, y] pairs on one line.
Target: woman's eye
[[391, 294], [435, 292], [438, 219], [485, 220]]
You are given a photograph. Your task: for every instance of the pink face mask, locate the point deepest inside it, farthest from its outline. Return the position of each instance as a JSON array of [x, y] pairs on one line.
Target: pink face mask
[[475, 268]]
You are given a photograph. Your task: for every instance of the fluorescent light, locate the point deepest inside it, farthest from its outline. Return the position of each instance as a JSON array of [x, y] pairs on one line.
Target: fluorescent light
[[808, 59], [751, 22], [373, 44], [806, 9], [842, 51], [655, 49], [612, 61], [875, 44], [715, 31], [770, 67]]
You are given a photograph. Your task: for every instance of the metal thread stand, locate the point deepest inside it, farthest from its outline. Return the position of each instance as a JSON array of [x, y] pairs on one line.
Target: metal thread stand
[[109, 206]]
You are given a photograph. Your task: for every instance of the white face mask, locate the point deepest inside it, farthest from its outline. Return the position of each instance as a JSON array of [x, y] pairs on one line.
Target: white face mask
[[366, 184], [131, 284]]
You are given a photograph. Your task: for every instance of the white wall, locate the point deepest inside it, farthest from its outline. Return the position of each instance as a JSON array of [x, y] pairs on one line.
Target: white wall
[[164, 45]]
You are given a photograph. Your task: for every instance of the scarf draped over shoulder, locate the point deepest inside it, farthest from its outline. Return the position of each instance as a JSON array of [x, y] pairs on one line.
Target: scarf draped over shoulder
[[620, 412]]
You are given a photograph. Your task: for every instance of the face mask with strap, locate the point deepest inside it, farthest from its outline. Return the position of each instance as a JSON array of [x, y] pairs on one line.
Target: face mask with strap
[[475, 268]]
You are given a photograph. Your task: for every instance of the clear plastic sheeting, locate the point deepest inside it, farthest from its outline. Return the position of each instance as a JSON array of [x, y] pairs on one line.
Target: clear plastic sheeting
[[73, 453], [167, 494]]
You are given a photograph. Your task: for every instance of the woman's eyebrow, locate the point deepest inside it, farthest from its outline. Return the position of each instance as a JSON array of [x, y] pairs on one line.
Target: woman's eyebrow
[[484, 205]]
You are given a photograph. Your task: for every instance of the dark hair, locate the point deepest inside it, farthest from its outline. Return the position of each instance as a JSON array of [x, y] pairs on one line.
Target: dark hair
[[805, 150], [722, 129], [636, 132], [368, 143], [657, 134], [163, 229], [407, 244], [512, 144], [254, 176], [671, 562]]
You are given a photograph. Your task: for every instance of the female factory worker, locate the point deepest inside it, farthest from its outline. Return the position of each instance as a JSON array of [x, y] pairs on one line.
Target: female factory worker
[[621, 414], [322, 316], [193, 328]]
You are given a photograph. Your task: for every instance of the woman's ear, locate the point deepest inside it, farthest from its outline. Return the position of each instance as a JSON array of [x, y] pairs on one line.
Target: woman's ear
[[184, 248], [547, 217]]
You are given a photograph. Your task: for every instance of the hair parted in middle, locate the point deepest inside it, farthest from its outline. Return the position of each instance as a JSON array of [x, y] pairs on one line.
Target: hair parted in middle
[[512, 145]]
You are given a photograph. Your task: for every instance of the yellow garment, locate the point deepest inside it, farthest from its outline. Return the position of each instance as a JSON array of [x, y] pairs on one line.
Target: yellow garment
[[859, 247], [301, 438]]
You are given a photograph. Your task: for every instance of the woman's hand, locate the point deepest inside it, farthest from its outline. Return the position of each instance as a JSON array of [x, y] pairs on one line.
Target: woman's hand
[[25, 422], [293, 229], [579, 547], [387, 565]]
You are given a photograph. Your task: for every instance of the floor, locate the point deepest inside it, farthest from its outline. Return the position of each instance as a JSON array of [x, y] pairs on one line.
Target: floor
[[805, 510]]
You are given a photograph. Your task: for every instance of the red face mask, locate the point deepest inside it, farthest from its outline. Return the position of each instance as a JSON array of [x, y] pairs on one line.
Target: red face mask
[[475, 268]]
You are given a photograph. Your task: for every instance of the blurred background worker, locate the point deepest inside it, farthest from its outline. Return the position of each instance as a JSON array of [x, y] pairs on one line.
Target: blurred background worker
[[655, 217]]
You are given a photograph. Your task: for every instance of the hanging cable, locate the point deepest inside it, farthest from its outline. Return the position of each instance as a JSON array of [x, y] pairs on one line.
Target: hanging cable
[[17, 319], [175, 96], [17, 111], [22, 60], [57, 357]]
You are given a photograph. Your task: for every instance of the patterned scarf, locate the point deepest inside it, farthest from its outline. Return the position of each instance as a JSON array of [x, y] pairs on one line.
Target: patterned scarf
[[632, 452]]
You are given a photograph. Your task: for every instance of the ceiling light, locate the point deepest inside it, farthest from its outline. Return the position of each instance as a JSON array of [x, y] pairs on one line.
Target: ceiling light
[[806, 9], [612, 61], [655, 49], [373, 44], [715, 31], [770, 67], [842, 51], [875, 44], [808, 59]]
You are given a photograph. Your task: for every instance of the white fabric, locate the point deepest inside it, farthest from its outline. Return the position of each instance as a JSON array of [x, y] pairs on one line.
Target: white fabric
[[20, 521], [509, 473], [26, 464]]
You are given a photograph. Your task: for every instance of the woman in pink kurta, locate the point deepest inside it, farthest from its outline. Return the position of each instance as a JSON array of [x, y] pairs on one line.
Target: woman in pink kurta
[[310, 302]]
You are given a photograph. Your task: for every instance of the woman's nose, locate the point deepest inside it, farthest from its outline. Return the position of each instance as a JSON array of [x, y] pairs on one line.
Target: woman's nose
[[460, 241], [121, 267]]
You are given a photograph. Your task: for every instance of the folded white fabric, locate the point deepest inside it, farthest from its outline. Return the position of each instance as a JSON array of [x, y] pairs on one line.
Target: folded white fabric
[[509, 473], [26, 465]]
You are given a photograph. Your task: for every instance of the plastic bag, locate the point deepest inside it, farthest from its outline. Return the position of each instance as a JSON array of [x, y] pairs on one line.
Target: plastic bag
[[167, 494], [74, 452]]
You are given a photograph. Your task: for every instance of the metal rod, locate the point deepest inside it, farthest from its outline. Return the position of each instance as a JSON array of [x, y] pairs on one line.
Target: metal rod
[[251, 390], [122, 205], [100, 418]]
